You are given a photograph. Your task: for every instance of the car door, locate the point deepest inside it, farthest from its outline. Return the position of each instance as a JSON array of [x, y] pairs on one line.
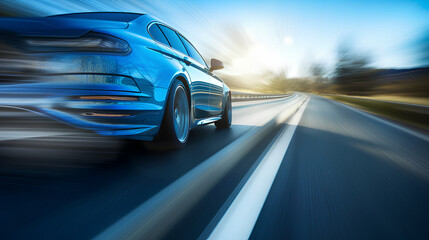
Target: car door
[[216, 94], [200, 87], [216, 85], [158, 69]]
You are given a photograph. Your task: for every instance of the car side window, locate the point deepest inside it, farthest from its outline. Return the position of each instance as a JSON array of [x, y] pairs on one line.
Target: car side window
[[157, 34], [173, 39], [192, 51]]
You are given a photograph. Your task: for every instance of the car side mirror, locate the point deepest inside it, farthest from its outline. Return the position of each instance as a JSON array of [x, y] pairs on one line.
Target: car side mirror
[[215, 65]]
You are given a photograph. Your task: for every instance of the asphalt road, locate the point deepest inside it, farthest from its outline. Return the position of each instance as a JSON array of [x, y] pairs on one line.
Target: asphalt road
[[345, 175], [348, 176], [71, 185]]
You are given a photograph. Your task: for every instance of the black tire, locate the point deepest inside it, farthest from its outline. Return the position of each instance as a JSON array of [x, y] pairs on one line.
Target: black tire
[[225, 121], [175, 125]]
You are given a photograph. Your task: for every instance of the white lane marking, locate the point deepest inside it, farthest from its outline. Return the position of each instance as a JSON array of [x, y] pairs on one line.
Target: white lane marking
[[407, 130], [240, 218], [154, 217]]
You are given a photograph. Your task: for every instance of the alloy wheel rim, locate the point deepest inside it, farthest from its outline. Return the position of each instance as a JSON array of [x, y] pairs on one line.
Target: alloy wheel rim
[[181, 114]]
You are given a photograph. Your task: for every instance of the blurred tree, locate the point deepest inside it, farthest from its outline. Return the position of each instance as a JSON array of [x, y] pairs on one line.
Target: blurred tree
[[318, 72], [318, 77], [277, 82], [279, 85], [352, 74]]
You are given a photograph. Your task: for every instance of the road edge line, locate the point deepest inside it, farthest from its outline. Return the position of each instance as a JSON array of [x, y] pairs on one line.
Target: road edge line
[[384, 121]]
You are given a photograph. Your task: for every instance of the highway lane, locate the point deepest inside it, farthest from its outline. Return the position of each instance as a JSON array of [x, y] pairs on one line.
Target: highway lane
[[345, 175], [53, 185], [348, 176]]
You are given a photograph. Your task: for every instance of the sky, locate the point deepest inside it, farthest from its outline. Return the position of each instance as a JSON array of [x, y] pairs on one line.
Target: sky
[[252, 37]]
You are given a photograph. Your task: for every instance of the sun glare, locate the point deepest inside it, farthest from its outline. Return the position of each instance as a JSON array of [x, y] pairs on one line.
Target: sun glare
[[288, 40]]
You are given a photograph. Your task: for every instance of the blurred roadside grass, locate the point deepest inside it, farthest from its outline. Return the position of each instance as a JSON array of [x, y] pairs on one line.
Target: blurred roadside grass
[[399, 99], [416, 116]]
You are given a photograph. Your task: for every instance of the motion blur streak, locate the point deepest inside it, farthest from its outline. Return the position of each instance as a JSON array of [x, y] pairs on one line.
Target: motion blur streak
[[83, 172], [359, 176], [356, 167], [154, 218], [241, 216]]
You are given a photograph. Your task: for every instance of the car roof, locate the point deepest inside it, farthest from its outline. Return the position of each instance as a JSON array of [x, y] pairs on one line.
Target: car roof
[[108, 16]]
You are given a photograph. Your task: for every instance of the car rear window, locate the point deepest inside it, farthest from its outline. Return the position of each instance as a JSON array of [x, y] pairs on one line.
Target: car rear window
[[193, 53], [157, 35], [173, 39]]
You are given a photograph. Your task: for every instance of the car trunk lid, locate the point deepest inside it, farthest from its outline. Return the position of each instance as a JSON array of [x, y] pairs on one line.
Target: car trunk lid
[[54, 27]]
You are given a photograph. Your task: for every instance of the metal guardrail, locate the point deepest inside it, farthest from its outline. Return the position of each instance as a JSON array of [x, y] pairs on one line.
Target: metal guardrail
[[240, 96]]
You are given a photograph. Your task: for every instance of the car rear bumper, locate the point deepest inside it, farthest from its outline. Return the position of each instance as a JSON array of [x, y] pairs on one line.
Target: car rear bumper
[[112, 112]]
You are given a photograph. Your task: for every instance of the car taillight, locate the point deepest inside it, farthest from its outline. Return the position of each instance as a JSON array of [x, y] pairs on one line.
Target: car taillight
[[91, 42]]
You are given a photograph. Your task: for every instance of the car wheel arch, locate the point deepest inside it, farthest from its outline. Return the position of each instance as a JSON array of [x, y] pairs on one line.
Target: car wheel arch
[[185, 82]]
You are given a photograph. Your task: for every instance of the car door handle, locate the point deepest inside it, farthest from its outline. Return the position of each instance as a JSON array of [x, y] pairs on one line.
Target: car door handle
[[186, 60]]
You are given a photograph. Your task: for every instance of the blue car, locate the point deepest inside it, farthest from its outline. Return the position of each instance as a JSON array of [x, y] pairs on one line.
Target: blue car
[[117, 74]]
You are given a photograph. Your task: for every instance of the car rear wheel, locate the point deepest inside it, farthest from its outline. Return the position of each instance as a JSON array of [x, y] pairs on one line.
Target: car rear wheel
[[225, 121], [176, 118]]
